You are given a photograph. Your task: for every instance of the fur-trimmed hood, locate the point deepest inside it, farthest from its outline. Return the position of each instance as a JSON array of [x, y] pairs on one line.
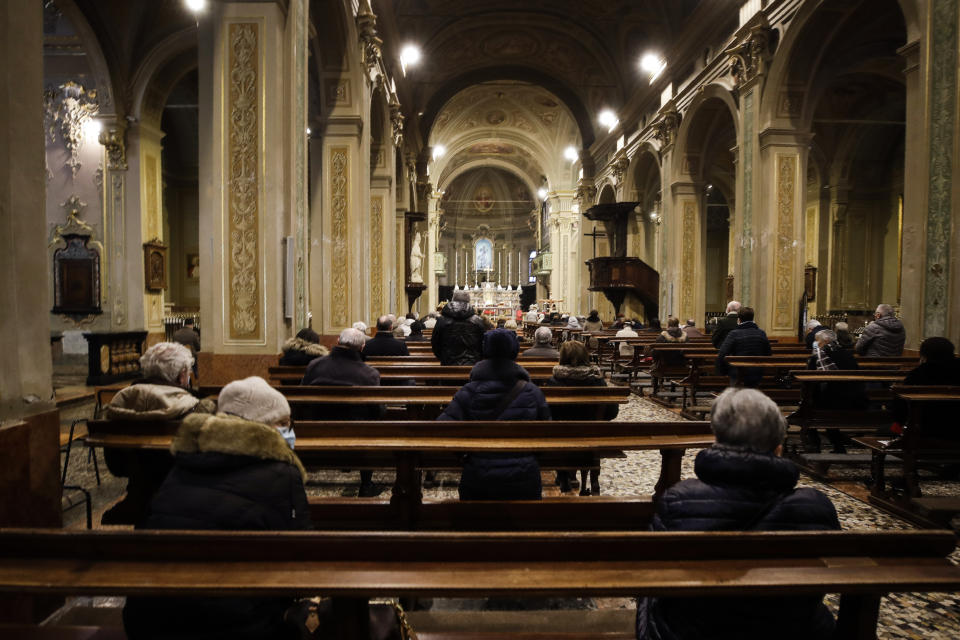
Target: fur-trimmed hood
[[579, 372], [222, 433], [307, 347], [153, 402], [674, 334]]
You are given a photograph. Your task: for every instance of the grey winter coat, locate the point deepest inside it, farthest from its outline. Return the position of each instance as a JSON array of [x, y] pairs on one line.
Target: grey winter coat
[[883, 337]]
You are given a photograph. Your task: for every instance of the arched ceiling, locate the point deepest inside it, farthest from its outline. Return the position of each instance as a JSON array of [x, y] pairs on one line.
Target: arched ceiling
[[511, 124], [488, 196], [584, 50]]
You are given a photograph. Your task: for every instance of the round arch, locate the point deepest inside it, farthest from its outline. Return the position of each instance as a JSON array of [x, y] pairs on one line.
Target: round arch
[[646, 151], [490, 162], [712, 92], [162, 68]]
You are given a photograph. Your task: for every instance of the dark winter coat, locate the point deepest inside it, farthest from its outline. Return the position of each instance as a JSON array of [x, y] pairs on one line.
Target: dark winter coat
[[838, 395], [739, 490], [229, 474], [458, 335], [746, 340], [188, 337], [345, 368], [384, 344], [939, 420], [545, 352], [883, 337], [587, 375], [298, 352], [692, 332], [508, 476], [725, 325]]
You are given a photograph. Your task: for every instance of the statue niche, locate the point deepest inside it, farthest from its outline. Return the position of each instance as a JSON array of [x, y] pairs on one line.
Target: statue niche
[[619, 274]]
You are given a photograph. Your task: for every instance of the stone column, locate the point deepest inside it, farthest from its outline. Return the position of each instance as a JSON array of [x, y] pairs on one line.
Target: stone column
[[685, 241], [150, 224], [780, 249], [381, 243], [743, 225], [245, 178], [29, 420], [565, 245], [429, 265]]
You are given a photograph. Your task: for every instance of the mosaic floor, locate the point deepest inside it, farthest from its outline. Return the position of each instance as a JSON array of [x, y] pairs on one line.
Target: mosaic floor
[[902, 616]]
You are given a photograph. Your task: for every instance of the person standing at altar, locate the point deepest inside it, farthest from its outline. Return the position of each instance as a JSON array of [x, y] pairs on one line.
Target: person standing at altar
[[458, 335]]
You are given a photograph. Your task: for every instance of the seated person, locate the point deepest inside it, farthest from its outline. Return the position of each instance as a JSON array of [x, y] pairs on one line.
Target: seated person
[[742, 485], [746, 340], [162, 394], [345, 367], [384, 343], [626, 349], [828, 355], [499, 389], [938, 366], [542, 348], [233, 471], [576, 370], [416, 332], [303, 349]]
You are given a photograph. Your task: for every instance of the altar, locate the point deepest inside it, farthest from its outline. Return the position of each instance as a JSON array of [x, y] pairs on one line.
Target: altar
[[493, 299]]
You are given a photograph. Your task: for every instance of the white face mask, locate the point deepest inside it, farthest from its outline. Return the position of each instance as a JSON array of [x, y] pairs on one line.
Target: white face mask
[[288, 435]]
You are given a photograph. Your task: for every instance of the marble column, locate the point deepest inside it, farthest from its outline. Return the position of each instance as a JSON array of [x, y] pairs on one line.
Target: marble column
[[780, 216], [246, 173], [685, 241], [565, 245]]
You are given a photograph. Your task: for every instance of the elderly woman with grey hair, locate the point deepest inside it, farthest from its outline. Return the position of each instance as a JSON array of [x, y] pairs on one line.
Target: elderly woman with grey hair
[[542, 348], [742, 485]]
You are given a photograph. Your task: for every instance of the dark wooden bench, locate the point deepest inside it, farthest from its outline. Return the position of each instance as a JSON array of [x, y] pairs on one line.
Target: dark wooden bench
[[355, 566], [808, 415], [420, 373], [411, 447]]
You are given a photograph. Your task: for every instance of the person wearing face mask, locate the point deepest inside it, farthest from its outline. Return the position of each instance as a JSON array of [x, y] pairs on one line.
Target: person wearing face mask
[[235, 470]]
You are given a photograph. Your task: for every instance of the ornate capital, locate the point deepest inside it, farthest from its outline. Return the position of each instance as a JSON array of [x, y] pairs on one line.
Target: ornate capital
[[67, 109], [586, 193], [749, 59], [114, 139], [396, 119], [370, 43], [619, 166], [665, 129]]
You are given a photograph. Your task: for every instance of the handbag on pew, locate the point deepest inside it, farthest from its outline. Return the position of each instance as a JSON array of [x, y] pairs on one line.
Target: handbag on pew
[[313, 619]]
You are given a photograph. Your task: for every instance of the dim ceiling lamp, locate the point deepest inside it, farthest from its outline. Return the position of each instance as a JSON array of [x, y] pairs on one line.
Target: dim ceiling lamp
[[608, 119]]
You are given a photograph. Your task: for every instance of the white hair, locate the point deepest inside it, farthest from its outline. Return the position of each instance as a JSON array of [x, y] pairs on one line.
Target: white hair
[[733, 306], [352, 338], [826, 336], [166, 360], [543, 335], [510, 324], [812, 324], [360, 326], [747, 419], [884, 310]]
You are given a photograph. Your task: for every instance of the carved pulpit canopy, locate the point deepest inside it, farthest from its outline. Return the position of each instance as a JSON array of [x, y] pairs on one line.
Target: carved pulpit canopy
[[614, 217]]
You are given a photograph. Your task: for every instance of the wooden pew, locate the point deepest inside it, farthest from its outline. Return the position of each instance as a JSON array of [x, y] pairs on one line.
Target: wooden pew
[[355, 566], [411, 447], [421, 373], [809, 416], [914, 448]]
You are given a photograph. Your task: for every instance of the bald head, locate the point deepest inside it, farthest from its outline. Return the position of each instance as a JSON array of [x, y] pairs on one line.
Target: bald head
[[733, 307]]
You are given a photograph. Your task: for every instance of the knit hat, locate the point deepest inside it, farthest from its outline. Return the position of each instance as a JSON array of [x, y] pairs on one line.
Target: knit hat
[[254, 400], [501, 344]]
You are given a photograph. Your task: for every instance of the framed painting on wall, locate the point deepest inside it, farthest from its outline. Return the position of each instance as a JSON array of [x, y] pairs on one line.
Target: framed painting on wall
[[155, 265]]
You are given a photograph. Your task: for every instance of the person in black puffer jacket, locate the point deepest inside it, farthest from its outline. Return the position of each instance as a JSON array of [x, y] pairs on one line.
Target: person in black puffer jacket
[[232, 471], [576, 370], [746, 340], [458, 335], [938, 367], [499, 476], [742, 485], [303, 349]]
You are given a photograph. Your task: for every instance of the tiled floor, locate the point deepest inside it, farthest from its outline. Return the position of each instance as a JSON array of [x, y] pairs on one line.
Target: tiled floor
[[907, 616]]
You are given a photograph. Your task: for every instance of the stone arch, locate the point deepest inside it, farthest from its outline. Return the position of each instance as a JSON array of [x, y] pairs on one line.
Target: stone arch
[[710, 95], [490, 162], [607, 194], [162, 68]]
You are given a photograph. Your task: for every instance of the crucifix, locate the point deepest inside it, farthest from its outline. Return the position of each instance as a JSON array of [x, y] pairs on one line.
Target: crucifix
[[595, 235]]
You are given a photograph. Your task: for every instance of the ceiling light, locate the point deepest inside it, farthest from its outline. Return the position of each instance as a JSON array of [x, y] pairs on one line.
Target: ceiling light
[[308, 131], [653, 65], [608, 119], [438, 151], [575, 207], [409, 57], [196, 5], [570, 153], [542, 193]]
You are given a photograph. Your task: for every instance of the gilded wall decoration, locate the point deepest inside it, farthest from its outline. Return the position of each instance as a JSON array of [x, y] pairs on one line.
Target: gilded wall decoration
[[114, 140], [67, 109], [746, 232], [943, 108], [689, 253], [339, 174], [812, 232], [244, 180], [152, 196], [300, 168], [376, 256], [783, 275], [118, 232]]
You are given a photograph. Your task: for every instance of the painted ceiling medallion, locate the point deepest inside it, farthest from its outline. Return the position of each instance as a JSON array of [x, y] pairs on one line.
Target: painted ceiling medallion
[[483, 199]]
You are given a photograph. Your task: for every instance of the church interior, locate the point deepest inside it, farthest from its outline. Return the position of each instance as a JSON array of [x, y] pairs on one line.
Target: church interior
[[252, 169]]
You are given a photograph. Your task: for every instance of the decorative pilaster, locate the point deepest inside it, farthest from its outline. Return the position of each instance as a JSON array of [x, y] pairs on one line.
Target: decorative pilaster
[[376, 256], [339, 175], [785, 277], [298, 18], [688, 252]]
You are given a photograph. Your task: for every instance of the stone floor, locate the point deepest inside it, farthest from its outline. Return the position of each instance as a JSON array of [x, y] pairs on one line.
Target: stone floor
[[906, 616]]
